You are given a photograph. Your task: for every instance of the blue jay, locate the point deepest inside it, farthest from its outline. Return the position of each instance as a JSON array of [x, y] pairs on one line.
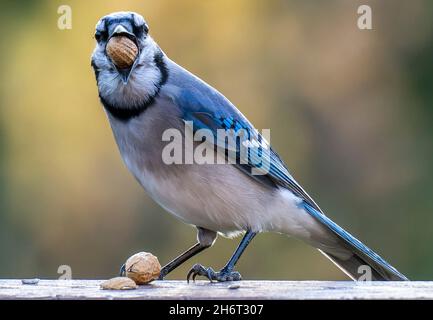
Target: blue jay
[[154, 95]]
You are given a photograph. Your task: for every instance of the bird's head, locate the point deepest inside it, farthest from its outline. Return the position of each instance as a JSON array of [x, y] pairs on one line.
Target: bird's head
[[132, 86]]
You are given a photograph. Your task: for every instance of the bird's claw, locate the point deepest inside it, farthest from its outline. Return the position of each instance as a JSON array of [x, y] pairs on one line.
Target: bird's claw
[[221, 276]]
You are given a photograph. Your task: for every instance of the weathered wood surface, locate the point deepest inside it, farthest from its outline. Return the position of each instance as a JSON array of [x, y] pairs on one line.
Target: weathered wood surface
[[90, 289]]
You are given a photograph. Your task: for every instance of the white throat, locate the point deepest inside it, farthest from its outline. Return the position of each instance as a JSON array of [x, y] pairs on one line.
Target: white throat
[[142, 84]]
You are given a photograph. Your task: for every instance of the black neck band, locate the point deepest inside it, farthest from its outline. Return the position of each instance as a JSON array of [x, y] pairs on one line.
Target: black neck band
[[126, 114]]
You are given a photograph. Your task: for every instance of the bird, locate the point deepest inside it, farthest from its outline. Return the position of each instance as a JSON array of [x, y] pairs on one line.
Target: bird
[[238, 196]]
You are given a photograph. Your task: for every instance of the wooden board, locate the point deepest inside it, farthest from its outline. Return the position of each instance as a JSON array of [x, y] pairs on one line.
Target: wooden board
[[168, 289]]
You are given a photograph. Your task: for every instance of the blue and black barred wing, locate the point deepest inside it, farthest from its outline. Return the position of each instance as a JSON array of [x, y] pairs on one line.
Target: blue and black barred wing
[[240, 142]]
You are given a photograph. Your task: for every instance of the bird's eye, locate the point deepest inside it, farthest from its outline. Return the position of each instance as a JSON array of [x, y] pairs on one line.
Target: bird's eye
[[99, 35], [140, 30], [140, 24]]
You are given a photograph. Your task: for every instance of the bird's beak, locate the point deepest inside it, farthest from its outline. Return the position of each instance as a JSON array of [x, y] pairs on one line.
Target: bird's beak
[[120, 30]]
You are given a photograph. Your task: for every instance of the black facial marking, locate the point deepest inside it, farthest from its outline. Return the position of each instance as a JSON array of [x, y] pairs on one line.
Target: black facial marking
[[128, 23], [140, 31], [159, 61], [125, 114], [95, 69]]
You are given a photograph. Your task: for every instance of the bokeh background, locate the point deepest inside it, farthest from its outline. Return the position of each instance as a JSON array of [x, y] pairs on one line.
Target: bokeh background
[[350, 111]]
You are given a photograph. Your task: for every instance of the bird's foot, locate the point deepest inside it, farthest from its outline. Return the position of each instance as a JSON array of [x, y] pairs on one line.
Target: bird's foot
[[221, 276]]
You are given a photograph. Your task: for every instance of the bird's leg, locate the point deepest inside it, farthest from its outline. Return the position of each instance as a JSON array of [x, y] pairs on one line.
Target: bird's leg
[[205, 238], [173, 264], [226, 273]]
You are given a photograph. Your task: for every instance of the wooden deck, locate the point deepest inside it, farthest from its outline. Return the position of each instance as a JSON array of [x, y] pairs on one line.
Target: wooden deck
[[298, 290]]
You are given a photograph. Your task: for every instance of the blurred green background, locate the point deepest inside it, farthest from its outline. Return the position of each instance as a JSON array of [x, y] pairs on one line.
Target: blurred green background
[[350, 112]]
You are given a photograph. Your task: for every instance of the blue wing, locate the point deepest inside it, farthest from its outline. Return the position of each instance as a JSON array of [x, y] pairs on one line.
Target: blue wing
[[214, 112]]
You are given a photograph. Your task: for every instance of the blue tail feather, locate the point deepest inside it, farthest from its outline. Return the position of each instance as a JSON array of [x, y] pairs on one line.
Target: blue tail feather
[[362, 255]]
